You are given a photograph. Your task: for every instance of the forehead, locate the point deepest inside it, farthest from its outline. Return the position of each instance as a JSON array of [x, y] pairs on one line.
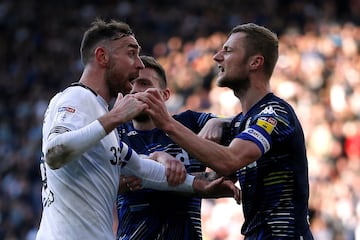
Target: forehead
[[236, 40], [127, 42], [149, 74]]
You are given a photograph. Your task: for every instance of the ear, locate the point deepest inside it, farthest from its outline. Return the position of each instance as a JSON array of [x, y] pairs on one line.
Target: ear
[[101, 56], [165, 94], [256, 61]]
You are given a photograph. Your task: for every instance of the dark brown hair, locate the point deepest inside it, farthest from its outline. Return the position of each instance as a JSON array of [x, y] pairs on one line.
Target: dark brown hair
[[100, 31], [150, 62]]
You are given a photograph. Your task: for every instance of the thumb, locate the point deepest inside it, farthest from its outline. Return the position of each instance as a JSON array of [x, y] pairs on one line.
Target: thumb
[[120, 96]]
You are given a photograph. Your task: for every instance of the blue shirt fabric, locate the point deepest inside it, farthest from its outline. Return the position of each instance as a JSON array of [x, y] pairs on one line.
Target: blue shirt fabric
[[275, 188], [149, 214]]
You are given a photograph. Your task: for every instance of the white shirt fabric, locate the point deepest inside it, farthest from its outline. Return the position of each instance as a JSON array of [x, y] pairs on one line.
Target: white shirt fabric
[[78, 197]]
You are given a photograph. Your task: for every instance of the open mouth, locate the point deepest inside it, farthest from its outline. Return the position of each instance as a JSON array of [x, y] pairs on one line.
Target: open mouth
[[221, 68]]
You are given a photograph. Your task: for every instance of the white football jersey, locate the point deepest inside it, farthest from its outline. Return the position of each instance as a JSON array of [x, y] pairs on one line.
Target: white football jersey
[[78, 197]]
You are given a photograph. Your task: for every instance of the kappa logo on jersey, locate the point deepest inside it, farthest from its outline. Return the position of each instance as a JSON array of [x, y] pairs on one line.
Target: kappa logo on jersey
[[268, 110], [267, 123], [66, 109]]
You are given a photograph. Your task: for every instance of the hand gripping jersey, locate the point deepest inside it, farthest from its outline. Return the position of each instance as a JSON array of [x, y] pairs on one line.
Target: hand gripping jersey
[[275, 188], [150, 214]]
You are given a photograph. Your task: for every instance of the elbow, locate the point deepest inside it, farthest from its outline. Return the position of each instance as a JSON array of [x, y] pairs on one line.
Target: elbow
[[226, 171], [56, 157], [227, 168]]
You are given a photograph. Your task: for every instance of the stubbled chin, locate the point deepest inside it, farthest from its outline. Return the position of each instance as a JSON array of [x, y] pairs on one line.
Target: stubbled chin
[[220, 82]]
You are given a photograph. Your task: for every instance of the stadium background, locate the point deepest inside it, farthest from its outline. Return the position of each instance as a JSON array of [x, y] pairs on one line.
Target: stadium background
[[318, 72]]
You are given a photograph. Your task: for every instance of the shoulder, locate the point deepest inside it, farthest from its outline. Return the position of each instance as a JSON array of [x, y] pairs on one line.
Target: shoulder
[[195, 117], [276, 107], [275, 113]]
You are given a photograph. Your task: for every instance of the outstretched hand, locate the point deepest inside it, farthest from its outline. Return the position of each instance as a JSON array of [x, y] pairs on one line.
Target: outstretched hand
[[217, 188]]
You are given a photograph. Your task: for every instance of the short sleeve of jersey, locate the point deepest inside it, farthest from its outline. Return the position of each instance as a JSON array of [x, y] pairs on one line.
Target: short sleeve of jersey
[[271, 124], [69, 112], [75, 108], [194, 120]]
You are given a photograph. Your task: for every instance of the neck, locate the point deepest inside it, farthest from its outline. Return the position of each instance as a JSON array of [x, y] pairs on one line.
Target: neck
[[250, 97], [143, 125], [95, 81]]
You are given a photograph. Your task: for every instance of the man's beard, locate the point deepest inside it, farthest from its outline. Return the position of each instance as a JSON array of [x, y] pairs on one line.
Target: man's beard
[[111, 78], [142, 117], [236, 84]]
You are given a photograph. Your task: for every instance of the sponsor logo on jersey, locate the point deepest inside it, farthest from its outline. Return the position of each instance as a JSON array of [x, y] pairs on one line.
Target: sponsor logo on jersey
[[66, 109], [267, 123], [132, 133], [257, 135]]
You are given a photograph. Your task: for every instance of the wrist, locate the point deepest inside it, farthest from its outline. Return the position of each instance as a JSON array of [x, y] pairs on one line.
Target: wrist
[[198, 185]]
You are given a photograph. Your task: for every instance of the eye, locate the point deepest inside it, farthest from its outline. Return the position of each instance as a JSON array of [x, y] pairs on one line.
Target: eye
[[226, 49], [132, 53], [144, 83]]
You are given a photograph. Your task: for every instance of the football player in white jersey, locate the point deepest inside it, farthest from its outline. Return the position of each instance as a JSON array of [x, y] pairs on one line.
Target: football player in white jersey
[[83, 158]]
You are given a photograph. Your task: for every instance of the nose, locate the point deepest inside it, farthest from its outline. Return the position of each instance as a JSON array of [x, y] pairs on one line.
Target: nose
[[218, 56], [133, 90], [139, 63]]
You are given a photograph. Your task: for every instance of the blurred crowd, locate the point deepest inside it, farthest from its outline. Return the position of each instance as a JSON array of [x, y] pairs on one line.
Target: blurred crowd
[[318, 72]]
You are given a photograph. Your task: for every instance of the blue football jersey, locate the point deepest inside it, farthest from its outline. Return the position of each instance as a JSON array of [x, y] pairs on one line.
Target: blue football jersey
[[150, 214], [275, 188]]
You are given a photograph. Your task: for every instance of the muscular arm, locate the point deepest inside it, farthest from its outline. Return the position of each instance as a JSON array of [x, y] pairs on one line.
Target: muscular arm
[[225, 160]]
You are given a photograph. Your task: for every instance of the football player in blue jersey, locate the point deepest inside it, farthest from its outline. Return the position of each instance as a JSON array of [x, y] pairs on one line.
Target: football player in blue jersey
[[265, 142], [152, 214]]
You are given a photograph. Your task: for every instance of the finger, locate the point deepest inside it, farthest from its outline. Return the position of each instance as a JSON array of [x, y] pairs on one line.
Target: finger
[[237, 195], [183, 175], [172, 172], [176, 178], [150, 96], [172, 178], [120, 96], [215, 182]]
